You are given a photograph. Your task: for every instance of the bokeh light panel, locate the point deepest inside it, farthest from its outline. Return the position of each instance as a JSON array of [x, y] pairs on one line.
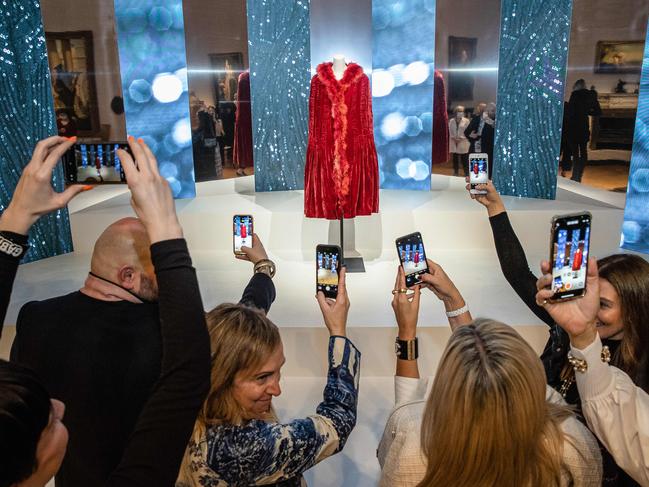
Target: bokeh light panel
[[635, 230], [402, 91], [279, 52], [151, 43], [27, 115], [534, 37]]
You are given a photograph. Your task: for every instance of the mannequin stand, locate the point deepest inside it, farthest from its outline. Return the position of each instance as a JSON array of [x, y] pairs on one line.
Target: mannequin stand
[[353, 264]]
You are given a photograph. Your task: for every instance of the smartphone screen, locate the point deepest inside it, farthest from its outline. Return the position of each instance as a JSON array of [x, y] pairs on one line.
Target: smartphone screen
[[478, 171], [242, 232], [412, 256], [94, 163], [570, 243], [327, 269]]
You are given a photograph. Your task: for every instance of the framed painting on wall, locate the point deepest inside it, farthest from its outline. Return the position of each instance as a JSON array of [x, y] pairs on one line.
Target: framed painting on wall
[[72, 72], [462, 53], [623, 57]]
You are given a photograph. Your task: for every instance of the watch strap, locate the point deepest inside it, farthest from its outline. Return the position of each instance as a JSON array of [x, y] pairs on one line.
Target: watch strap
[[13, 244], [407, 349]]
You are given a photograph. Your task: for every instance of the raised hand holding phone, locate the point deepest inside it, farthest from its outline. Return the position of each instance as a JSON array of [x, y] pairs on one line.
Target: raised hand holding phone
[[34, 195], [335, 311], [578, 316], [255, 253], [328, 266], [478, 172], [151, 196], [410, 249], [405, 306]]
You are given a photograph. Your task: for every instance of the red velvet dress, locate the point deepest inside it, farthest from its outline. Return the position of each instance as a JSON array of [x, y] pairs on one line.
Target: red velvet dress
[[342, 170], [242, 152]]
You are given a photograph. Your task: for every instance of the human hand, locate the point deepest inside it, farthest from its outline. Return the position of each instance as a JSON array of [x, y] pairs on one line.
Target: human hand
[[492, 200], [577, 316], [255, 253], [442, 286], [473, 135], [406, 307], [34, 195], [151, 196], [335, 311]]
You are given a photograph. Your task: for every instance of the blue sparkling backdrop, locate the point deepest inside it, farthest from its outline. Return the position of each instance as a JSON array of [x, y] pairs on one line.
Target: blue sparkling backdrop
[[279, 52], [534, 36], [151, 43], [635, 230], [402, 91], [27, 112]]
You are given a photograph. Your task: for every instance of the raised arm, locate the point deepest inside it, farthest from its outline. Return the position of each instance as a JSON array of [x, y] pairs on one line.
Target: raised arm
[[157, 444], [511, 255], [32, 198], [260, 291]]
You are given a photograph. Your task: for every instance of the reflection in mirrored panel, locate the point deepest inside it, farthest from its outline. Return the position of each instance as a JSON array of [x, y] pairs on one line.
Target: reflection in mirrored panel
[[217, 57], [84, 67], [466, 61], [605, 56]]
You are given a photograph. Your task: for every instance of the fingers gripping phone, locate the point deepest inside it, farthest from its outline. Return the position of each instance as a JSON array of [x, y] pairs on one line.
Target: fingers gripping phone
[[412, 256], [478, 171], [569, 246], [242, 230], [94, 163], [328, 269]]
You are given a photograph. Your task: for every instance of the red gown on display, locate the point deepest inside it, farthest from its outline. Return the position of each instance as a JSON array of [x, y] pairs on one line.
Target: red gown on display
[[440, 121], [342, 171], [242, 152]]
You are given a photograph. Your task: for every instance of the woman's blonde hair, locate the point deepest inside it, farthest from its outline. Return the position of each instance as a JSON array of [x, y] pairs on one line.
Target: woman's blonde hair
[[487, 421], [241, 339]]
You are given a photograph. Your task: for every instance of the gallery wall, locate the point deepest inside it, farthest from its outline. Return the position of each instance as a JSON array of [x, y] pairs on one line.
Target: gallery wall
[[458, 18], [212, 27], [99, 17], [602, 20]]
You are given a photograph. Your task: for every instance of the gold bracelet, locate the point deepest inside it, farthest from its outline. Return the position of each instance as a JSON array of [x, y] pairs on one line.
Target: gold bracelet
[[581, 365], [264, 264]]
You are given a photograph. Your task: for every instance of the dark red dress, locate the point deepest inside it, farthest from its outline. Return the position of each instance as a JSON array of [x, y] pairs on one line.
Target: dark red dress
[[342, 170], [440, 121], [242, 152]]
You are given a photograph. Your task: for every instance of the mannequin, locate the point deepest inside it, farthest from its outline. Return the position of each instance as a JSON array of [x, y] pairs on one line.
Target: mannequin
[[339, 66]]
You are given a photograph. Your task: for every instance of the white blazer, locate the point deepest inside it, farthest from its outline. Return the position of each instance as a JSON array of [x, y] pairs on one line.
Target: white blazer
[[458, 131]]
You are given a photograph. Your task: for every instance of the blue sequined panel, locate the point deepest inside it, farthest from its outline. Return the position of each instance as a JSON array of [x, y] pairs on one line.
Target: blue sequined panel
[[279, 52], [27, 112], [534, 37], [402, 91], [635, 230], [151, 44]]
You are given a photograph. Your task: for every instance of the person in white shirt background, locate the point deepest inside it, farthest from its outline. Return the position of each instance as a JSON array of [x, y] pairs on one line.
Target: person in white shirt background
[[458, 143]]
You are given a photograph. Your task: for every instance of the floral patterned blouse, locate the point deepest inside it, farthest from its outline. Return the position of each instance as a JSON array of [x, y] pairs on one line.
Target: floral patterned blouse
[[268, 453]]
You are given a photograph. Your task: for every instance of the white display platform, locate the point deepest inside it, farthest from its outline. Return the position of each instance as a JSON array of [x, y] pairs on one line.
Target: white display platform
[[456, 232], [455, 229]]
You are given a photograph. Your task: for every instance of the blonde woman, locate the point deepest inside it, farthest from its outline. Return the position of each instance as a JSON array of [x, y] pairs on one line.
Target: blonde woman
[[489, 419], [238, 439]]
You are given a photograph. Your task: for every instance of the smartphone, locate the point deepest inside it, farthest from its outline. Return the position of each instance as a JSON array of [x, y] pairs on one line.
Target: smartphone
[[569, 247], [328, 264], [242, 229], [94, 163], [478, 171], [412, 256]]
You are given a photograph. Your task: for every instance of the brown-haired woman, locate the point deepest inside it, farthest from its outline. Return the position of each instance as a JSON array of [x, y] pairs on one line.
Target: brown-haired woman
[[489, 419], [238, 439], [621, 323]]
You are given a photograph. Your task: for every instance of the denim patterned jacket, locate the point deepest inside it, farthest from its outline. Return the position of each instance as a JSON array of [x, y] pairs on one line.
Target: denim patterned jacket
[[267, 453]]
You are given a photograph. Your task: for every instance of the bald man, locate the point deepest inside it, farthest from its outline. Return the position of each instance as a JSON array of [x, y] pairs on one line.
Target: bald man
[[98, 349]]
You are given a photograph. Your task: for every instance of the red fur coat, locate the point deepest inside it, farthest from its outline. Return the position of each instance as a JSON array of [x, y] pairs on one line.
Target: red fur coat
[[341, 176]]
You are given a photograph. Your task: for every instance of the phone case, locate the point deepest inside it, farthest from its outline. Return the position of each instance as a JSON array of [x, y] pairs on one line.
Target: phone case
[[252, 231], [551, 259]]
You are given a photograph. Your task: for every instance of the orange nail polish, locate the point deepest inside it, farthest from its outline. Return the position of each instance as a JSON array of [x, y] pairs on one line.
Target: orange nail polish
[[131, 138], [87, 187], [140, 140]]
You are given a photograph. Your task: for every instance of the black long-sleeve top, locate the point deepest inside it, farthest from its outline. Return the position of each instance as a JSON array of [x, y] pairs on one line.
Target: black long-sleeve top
[[555, 354], [103, 360]]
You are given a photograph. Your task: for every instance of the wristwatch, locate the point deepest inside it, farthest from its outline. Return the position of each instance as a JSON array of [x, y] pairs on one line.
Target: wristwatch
[[406, 349], [11, 244], [266, 266]]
